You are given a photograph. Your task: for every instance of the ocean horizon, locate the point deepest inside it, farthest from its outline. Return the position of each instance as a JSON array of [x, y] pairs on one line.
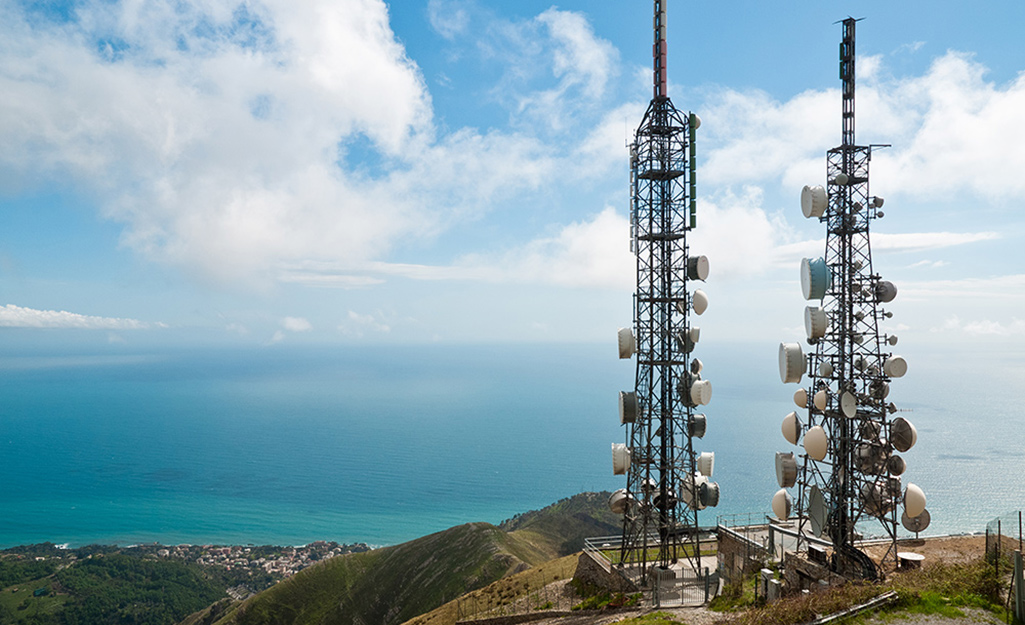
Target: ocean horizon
[[383, 444]]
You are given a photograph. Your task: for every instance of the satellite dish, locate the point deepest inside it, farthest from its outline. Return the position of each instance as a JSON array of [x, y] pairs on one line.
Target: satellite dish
[[695, 121], [699, 301], [895, 366], [696, 425], [791, 428], [903, 434], [801, 398], [860, 363], [816, 443], [620, 458], [916, 523], [815, 278], [895, 465], [885, 291], [815, 321], [816, 511], [791, 362], [892, 339], [696, 366], [628, 407], [706, 463], [849, 404], [841, 179], [709, 494], [648, 486], [914, 500], [697, 267], [701, 393], [813, 201], [627, 343], [877, 202], [786, 469], [825, 369], [781, 504], [821, 399], [620, 502]]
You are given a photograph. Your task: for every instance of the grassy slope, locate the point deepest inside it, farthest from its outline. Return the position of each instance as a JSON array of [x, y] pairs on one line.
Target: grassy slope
[[393, 584]]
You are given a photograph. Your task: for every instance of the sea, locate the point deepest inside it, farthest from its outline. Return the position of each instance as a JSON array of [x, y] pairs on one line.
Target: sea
[[383, 443]]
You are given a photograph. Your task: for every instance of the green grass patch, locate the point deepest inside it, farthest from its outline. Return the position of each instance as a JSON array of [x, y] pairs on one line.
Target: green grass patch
[[605, 600]]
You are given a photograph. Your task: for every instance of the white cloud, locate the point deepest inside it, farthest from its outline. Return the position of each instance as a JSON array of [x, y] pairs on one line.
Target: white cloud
[[594, 253], [982, 327], [448, 18], [580, 56], [951, 131], [358, 325], [12, 316], [296, 324]]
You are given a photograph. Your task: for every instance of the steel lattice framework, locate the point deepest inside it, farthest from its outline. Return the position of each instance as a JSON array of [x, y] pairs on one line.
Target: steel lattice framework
[[664, 487], [852, 476]]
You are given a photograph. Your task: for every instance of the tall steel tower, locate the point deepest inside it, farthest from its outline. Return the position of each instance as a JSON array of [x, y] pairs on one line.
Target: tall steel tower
[[667, 481], [849, 473]]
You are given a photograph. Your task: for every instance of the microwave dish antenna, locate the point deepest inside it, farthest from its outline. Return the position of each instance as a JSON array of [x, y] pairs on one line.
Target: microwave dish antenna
[[667, 481], [848, 473]]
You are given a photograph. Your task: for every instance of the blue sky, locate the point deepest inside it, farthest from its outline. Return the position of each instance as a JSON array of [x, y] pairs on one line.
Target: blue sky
[[455, 171]]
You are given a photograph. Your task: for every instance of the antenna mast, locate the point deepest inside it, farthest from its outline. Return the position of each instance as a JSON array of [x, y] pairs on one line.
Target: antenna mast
[[849, 473], [667, 480]]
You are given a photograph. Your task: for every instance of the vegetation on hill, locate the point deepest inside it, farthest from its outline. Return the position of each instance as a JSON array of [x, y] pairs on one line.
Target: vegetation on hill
[[143, 584], [394, 584]]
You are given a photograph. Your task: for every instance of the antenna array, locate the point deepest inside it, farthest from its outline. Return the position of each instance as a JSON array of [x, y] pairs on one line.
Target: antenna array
[[667, 480], [849, 472]]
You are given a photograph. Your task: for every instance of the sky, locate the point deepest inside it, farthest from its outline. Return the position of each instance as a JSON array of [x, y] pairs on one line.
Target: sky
[[455, 171]]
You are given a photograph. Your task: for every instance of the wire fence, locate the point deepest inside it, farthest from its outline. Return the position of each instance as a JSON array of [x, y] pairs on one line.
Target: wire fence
[[1003, 535]]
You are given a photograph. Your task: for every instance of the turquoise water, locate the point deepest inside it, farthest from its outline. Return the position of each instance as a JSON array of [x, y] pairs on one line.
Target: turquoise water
[[384, 444]]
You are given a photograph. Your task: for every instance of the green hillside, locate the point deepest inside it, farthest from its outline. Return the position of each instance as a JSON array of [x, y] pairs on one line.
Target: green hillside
[[394, 584]]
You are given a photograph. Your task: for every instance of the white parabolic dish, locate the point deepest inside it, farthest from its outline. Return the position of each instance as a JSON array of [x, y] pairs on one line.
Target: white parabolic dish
[[791, 362], [914, 500], [816, 443], [697, 267], [620, 458], [815, 322], [801, 398], [791, 428], [781, 504], [813, 201], [895, 366], [627, 343]]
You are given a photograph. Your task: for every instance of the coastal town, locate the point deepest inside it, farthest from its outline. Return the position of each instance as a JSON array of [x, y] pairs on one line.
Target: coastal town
[[246, 568]]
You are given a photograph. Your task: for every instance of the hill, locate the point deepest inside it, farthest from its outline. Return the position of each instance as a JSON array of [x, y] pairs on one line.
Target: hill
[[394, 584]]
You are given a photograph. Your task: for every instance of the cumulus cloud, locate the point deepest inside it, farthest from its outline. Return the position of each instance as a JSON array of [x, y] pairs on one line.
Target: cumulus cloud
[[448, 18], [951, 130], [982, 327], [238, 139], [357, 324], [296, 324], [12, 316]]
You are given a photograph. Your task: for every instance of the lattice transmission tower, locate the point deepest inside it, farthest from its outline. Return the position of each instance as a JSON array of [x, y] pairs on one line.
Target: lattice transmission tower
[[667, 480], [848, 477]]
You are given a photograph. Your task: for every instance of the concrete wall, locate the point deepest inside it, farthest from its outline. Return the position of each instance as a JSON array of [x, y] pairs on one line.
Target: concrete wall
[[590, 571], [738, 556]]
